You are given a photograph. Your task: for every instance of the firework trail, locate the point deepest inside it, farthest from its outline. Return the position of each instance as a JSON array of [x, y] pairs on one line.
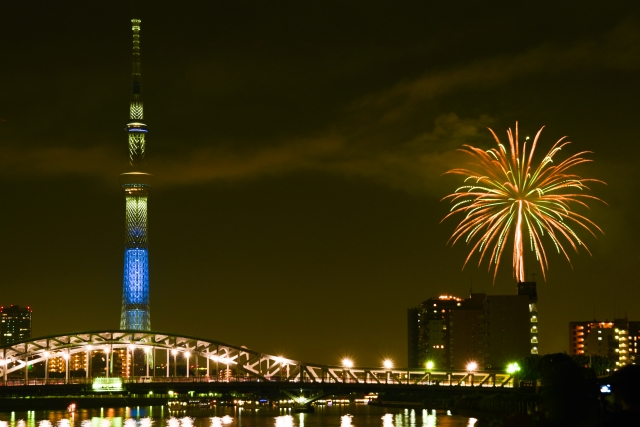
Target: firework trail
[[506, 198]]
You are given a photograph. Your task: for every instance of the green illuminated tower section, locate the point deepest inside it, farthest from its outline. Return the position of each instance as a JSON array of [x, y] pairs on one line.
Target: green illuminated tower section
[[136, 184]]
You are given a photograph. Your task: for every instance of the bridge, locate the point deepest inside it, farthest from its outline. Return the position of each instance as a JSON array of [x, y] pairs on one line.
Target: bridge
[[155, 362]]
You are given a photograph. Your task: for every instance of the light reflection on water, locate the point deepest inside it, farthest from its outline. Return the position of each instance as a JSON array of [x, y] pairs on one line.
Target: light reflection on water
[[345, 421], [284, 421], [429, 419], [324, 416]]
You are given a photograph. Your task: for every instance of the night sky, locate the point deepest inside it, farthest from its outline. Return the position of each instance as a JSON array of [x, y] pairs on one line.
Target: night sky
[[298, 149]]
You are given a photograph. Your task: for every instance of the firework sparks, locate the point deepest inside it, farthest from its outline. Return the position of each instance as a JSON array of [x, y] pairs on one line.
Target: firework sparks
[[507, 198]]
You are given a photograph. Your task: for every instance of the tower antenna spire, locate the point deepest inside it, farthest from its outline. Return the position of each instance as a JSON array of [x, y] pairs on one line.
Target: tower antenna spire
[[137, 129], [135, 313]]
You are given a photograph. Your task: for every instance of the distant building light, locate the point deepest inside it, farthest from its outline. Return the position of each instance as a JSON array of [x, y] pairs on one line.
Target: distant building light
[[449, 297]]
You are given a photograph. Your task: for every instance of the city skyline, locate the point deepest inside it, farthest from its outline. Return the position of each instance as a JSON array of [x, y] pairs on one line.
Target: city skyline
[[298, 153]]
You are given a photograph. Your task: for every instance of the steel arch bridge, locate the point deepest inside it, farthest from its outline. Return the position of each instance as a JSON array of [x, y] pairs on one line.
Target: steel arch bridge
[[213, 361]]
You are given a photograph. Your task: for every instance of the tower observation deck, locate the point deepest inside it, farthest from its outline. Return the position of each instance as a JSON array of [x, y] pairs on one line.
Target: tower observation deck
[[136, 184]]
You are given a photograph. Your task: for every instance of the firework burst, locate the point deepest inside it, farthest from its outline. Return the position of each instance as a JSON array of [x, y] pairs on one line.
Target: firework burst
[[507, 198]]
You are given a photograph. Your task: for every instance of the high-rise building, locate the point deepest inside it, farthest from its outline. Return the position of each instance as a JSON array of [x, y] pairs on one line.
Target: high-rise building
[[508, 336], [16, 324], [491, 330], [617, 340], [529, 289], [136, 184]]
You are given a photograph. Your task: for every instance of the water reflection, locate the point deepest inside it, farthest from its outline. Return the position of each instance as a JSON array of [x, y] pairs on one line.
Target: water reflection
[[324, 416], [284, 421], [429, 419], [218, 422]]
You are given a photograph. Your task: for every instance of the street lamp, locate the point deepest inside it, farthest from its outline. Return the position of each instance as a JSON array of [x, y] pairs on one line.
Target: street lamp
[[430, 365], [388, 365], [46, 366], [66, 356], [131, 369], [346, 365], [175, 354], [471, 368], [107, 350], [513, 368], [187, 355], [146, 355], [89, 347]]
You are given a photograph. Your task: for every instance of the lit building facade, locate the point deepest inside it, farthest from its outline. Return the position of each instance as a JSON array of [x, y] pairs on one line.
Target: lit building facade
[[617, 340], [15, 324], [135, 313], [491, 330]]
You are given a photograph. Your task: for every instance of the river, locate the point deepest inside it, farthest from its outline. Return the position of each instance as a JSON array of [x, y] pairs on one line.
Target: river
[[352, 415]]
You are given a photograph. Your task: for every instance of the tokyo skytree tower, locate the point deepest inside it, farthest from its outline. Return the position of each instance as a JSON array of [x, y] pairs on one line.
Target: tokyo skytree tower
[[136, 185]]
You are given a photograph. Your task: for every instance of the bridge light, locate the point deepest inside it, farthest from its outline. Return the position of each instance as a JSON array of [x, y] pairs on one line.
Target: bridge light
[[347, 363], [132, 347], [65, 356], [107, 350], [187, 354], [472, 366], [147, 350], [388, 364], [89, 347], [46, 353], [174, 351], [512, 368], [430, 365]]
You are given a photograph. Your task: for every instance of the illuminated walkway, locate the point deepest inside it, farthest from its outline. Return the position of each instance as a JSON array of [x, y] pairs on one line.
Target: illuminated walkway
[[137, 356]]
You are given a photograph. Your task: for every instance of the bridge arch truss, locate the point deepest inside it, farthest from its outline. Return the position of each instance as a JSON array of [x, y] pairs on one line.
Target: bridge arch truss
[[211, 360]]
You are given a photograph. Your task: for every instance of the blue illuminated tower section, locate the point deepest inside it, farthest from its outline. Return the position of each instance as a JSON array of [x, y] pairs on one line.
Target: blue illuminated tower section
[[136, 185]]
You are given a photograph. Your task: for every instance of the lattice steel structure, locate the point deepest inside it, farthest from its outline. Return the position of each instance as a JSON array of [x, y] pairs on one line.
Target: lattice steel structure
[[218, 361], [136, 185]]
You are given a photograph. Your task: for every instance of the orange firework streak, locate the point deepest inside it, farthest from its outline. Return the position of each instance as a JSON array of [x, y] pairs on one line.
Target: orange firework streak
[[508, 196]]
